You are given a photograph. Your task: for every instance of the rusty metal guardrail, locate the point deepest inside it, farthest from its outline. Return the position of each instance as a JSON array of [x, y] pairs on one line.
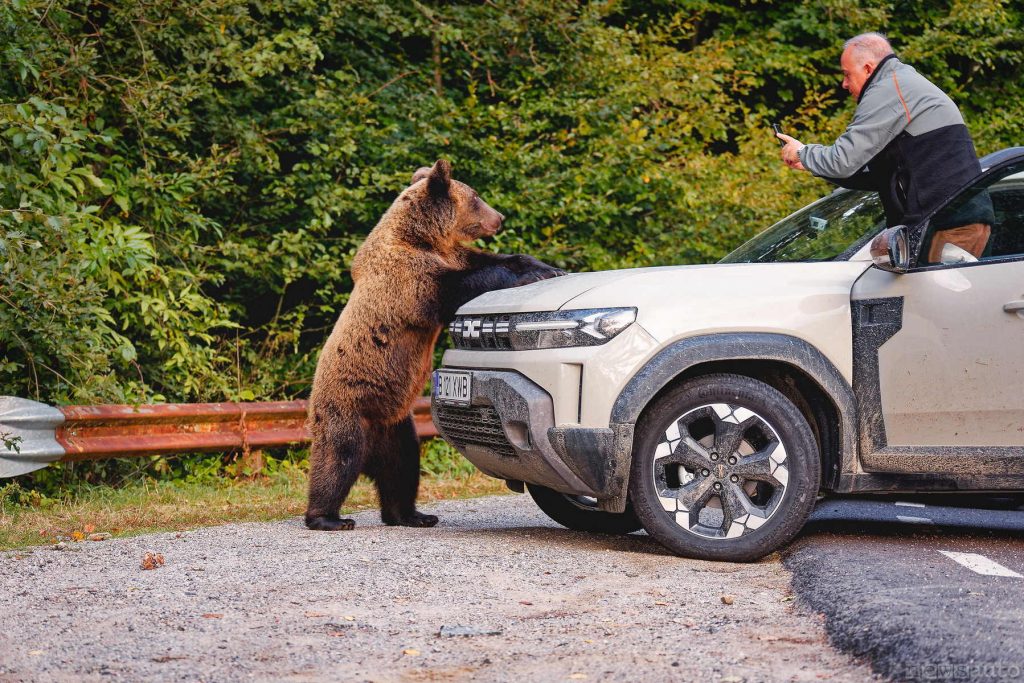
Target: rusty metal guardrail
[[45, 434]]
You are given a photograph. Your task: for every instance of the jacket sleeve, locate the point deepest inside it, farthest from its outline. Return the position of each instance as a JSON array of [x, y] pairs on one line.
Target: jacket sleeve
[[879, 118]]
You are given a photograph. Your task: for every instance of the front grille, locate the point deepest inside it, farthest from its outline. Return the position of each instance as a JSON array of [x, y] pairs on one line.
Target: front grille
[[481, 332], [475, 425]]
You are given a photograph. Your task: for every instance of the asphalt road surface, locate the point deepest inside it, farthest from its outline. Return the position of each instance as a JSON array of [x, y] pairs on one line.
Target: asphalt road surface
[[498, 592], [922, 592]]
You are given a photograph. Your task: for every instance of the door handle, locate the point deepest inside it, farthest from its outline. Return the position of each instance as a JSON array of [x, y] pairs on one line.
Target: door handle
[[1014, 306]]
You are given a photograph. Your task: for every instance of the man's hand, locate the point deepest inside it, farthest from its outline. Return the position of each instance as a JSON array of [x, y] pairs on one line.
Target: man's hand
[[791, 151]]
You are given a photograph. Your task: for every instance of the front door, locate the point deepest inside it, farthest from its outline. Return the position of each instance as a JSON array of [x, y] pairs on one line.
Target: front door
[[939, 351]]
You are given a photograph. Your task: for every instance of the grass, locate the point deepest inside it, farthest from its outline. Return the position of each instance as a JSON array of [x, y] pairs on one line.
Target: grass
[[178, 506]]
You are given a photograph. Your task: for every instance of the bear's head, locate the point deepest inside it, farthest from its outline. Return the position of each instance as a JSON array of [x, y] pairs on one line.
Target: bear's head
[[450, 212]]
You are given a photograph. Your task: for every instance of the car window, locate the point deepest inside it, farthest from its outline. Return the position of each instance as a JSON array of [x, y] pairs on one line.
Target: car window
[[984, 222], [831, 228]]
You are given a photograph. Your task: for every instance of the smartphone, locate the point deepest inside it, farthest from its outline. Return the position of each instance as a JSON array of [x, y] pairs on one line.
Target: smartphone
[[777, 128]]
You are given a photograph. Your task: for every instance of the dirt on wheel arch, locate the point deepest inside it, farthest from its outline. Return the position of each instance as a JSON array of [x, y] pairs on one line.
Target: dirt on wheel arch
[[495, 592]]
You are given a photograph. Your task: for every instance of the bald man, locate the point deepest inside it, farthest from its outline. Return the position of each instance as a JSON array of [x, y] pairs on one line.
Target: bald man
[[907, 139]]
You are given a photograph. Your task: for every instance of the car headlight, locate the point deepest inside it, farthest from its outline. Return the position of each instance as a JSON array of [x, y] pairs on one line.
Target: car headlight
[[547, 330]]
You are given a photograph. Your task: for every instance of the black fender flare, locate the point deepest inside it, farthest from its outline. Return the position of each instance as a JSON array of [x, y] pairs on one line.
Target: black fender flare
[[680, 356]]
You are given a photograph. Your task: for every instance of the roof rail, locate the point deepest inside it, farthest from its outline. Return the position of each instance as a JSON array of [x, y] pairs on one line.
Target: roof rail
[[995, 158]]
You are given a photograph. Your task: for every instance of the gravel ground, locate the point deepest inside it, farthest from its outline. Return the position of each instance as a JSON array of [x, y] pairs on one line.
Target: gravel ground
[[277, 602]]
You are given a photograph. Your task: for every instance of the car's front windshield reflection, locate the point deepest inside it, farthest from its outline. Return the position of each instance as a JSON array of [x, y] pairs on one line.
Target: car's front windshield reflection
[[829, 229]]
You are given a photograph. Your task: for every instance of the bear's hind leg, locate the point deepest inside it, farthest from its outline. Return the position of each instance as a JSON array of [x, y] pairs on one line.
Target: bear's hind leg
[[399, 481], [336, 458]]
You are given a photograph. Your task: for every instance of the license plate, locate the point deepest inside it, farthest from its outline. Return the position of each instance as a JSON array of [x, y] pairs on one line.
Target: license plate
[[453, 387]]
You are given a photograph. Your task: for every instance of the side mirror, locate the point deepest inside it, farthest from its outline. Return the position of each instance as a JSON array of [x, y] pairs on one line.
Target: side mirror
[[890, 250]]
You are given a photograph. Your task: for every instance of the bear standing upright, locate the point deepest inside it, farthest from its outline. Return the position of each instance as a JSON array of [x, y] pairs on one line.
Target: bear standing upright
[[411, 274]]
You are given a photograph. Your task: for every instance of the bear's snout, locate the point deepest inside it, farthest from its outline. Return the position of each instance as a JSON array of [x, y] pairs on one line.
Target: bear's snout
[[492, 224]]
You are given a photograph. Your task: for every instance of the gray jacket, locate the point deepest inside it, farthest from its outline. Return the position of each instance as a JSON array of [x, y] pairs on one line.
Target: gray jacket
[[907, 141]]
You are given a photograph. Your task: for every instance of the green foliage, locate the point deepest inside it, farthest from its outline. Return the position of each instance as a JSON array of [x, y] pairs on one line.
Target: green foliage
[[13, 496], [11, 442], [438, 458], [61, 479], [183, 185]]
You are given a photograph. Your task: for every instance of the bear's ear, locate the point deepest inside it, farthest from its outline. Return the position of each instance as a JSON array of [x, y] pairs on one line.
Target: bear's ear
[[421, 173], [439, 178], [439, 174]]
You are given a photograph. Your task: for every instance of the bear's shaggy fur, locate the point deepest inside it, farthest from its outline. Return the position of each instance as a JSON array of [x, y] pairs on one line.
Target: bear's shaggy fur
[[411, 274]]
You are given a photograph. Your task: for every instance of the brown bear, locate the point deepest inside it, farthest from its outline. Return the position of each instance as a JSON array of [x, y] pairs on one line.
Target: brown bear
[[411, 274]]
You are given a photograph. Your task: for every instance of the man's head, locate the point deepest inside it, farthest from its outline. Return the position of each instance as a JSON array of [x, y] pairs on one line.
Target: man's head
[[861, 55]]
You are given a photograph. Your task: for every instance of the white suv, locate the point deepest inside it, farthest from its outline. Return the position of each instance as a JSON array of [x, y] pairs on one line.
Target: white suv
[[711, 404]]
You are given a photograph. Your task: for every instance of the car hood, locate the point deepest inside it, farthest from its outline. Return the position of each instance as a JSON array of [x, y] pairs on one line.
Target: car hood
[[546, 295], [668, 286]]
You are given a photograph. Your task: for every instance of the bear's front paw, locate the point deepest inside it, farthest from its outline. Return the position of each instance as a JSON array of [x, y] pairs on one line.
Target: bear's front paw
[[415, 519], [524, 263], [538, 274], [327, 523]]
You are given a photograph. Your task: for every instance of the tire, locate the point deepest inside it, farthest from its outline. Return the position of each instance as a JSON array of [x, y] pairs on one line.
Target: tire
[[724, 468], [581, 513]]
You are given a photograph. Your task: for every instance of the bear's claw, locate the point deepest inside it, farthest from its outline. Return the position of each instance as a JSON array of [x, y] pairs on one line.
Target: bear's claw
[[538, 274], [329, 523]]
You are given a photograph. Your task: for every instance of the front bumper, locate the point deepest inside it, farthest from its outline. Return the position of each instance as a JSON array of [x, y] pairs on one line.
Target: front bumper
[[508, 431]]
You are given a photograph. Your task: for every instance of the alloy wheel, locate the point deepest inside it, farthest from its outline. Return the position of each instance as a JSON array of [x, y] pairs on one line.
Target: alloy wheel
[[721, 470]]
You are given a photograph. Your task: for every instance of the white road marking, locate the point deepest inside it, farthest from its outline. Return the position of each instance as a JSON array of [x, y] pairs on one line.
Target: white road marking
[[910, 505], [914, 520], [979, 564]]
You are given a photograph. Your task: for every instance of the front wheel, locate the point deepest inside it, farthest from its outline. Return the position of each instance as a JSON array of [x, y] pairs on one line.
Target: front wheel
[[724, 468], [581, 513]]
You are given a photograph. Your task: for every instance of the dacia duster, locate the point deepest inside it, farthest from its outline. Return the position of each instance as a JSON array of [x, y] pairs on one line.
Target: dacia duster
[[713, 404]]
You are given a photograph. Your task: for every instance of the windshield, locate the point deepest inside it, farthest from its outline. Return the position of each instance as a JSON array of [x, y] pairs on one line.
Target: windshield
[[829, 229]]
